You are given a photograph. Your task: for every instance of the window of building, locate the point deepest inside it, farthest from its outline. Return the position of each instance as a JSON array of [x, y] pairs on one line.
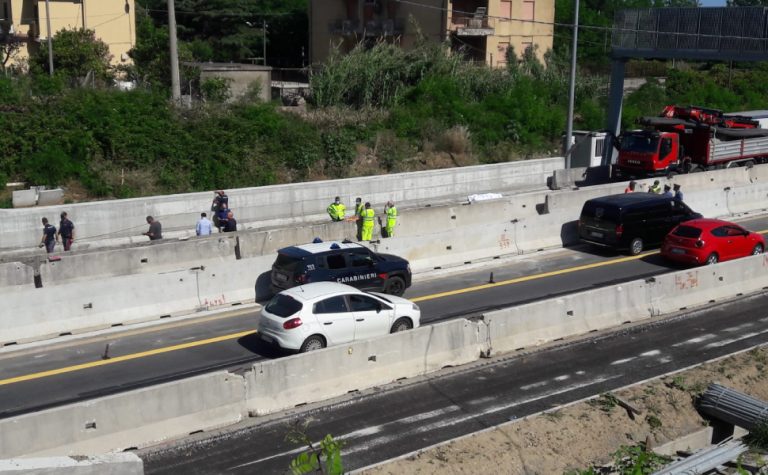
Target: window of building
[[505, 9], [527, 44], [529, 6], [5, 11], [502, 58]]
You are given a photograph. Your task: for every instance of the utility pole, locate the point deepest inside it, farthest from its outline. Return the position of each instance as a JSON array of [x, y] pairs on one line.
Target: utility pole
[[175, 80], [572, 87], [264, 40], [50, 39]]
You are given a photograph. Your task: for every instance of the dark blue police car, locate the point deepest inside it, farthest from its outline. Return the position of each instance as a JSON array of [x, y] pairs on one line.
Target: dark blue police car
[[345, 262]]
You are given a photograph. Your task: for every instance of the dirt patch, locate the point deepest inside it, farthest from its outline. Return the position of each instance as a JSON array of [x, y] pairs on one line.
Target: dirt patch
[[585, 434]]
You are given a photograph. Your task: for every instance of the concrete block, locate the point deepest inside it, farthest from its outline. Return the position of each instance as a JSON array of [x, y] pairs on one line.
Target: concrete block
[[692, 442], [24, 198], [283, 383], [109, 464], [747, 198], [16, 275], [131, 419], [50, 197]]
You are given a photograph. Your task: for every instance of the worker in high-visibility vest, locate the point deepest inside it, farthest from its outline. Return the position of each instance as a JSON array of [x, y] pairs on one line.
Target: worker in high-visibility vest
[[337, 210], [391, 212], [368, 215], [359, 208]]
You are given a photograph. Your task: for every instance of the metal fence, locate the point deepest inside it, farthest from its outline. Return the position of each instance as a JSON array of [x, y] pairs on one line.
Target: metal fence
[[730, 31]]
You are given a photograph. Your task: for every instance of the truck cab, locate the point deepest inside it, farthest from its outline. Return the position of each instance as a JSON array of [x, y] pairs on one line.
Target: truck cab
[[648, 153]]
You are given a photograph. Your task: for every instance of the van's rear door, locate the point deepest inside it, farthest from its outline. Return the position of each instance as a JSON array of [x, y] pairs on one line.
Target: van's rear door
[[598, 222]]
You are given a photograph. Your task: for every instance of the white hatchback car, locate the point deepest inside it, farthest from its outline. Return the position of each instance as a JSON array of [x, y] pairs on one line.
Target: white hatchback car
[[313, 316]]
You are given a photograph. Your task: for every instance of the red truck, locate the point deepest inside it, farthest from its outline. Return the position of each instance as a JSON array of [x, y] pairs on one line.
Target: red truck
[[690, 139]]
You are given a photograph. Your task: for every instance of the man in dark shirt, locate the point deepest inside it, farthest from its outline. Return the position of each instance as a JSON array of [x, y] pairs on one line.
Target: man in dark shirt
[[231, 224], [66, 231], [222, 215], [220, 200], [49, 236], [155, 229]]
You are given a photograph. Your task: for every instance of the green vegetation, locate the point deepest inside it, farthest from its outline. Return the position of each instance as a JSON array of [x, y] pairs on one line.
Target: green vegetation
[[323, 457], [631, 460]]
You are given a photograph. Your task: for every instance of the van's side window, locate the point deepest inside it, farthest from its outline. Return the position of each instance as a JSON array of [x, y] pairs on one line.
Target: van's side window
[[336, 261]]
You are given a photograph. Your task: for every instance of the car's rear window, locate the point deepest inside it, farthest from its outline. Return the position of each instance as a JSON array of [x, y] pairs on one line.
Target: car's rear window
[[687, 232], [287, 263], [283, 306], [593, 209]]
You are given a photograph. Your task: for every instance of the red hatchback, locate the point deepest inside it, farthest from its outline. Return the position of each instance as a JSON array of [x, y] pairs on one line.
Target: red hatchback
[[709, 241]]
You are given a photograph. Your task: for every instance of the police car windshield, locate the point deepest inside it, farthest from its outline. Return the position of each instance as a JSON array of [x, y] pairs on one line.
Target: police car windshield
[[283, 306]]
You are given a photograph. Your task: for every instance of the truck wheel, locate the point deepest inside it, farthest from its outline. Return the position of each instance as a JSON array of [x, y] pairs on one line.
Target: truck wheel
[[712, 259], [395, 286], [636, 246]]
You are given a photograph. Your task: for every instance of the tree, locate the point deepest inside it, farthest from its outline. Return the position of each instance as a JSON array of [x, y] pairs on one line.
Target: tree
[[10, 45], [76, 53]]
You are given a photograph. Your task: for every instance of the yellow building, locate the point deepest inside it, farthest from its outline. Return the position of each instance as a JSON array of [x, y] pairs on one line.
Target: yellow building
[[483, 29], [113, 21]]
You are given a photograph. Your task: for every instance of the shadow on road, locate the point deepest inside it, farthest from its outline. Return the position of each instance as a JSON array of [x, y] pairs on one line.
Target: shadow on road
[[257, 346]]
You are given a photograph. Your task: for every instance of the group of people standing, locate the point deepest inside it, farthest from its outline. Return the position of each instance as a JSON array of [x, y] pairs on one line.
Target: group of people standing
[[65, 234], [365, 217], [673, 191], [223, 217]]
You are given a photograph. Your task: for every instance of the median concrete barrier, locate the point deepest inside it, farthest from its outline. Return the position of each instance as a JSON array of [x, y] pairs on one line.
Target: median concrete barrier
[[39, 313], [284, 383], [131, 419], [108, 464], [271, 205], [746, 198], [532, 324], [16, 275]]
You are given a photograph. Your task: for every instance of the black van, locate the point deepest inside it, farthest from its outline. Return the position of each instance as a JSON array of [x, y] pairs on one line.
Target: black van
[[631, 221]]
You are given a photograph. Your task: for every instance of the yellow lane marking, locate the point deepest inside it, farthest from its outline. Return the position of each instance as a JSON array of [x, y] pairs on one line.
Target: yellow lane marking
[[118, 359], [139, 331], [527, 278]]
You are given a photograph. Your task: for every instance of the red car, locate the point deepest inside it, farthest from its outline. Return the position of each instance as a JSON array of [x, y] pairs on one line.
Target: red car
[[709, 241]]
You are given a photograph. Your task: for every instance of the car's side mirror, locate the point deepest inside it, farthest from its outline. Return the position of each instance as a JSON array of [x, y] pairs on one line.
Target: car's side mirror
[[378, 307]]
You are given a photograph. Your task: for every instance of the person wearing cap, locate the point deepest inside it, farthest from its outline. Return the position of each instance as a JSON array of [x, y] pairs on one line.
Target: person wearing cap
[[49, 236], [678, 193], [668, 192], [337, 210], [631, 187], [368, 216], [655, 188], [359, 208], [66, 231], [391, 213]]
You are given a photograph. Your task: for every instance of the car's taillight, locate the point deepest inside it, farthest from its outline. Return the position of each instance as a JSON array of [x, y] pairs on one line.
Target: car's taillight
[[302, 279], [619, 230], [383, 276], [700, 243], [292, 323]]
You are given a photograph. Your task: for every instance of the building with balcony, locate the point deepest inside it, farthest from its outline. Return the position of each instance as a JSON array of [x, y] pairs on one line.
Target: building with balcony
[[482, 29], [113, 21]]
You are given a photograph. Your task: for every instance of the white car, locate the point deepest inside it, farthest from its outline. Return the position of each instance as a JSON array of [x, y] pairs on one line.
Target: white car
[[313, 316]]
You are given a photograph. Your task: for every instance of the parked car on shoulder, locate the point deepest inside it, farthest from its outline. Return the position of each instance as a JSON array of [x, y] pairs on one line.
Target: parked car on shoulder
[[709, 241], [344, 262], [313, 316], [631, 221]]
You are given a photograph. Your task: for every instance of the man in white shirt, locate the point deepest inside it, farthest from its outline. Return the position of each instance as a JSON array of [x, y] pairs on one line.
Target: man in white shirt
[[204, 226]]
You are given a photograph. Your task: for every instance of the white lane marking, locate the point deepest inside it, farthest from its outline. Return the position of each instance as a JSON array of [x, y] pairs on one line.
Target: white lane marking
[[458, 420], [718, 344], [563, 377], [40, 356], [765, 319], [664, 359], [698, 339], [651, 353], [625, 360], [360, 433], [533, 385], [738, 327], [581, 373]]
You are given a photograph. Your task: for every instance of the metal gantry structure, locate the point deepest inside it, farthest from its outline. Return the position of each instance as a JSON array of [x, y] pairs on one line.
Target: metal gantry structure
[[699, 34]]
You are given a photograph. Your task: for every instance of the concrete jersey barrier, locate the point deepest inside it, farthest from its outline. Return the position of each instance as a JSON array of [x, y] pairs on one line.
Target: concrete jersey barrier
[[283, 203]]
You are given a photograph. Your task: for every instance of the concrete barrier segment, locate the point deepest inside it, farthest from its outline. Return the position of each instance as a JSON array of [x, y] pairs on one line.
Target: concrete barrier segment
[[125, 463], [125, 218], [286, 382], [747, 198], [131, 419], [16, 275]]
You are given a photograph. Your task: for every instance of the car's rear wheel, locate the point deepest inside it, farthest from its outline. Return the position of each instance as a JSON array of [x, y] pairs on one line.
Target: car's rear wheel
[[395, 286], [401, 325], [712, 259], [636, 246], [758, 249], [315, 342]]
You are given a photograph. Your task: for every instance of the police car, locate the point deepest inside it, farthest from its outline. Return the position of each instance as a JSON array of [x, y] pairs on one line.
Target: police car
[[344, 262]]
